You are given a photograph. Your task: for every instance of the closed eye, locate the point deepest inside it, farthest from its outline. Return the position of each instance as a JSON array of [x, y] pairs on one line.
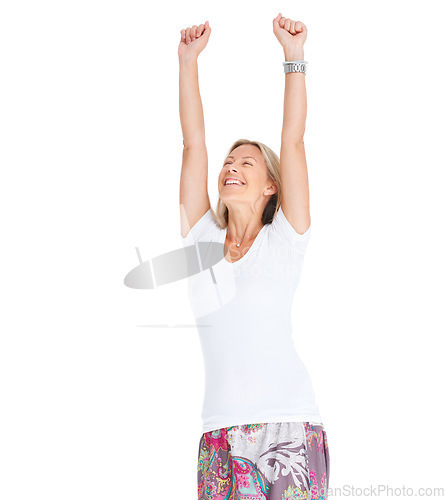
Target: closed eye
[[245, 163]]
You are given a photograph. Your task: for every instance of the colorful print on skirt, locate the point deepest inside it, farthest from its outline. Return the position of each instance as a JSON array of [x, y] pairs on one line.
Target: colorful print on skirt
[[268, 461]]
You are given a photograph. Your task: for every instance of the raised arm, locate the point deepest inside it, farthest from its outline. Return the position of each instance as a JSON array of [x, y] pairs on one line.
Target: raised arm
[[193, 194], [294, 174]]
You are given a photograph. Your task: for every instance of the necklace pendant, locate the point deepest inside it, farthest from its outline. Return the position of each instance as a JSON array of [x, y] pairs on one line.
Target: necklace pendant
[[238, 244]]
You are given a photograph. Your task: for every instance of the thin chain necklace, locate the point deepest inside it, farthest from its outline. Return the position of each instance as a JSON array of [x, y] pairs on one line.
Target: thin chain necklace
[[248, 236]]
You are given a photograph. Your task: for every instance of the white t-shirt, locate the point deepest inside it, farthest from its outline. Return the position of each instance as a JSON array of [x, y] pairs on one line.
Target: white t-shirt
[[253, 373]]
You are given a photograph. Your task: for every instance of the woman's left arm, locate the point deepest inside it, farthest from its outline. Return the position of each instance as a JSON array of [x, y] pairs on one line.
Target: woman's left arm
[[294, 174]]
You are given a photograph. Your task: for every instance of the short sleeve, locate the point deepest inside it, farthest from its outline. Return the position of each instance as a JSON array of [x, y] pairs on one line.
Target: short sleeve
[[284, 230], [205, 226]]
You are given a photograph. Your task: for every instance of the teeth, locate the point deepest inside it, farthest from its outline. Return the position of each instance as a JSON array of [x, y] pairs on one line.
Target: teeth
[[233, 182]]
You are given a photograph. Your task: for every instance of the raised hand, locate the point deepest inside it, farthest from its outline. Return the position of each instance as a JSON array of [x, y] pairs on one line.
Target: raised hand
[[291, 34], [194, 40]]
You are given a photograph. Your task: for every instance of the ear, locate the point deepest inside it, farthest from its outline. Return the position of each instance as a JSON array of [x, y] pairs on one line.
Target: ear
[[272, 189]]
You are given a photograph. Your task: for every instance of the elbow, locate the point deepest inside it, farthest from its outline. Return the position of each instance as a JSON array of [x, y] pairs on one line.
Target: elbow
[[194, 143], [292, 139], [294, 136]]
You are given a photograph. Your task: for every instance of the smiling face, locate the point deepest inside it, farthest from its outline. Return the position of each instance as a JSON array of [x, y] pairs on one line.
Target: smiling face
[[244, 177]]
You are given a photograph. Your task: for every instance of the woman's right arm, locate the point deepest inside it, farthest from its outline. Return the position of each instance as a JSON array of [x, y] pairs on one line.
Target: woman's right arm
[[193, 197]]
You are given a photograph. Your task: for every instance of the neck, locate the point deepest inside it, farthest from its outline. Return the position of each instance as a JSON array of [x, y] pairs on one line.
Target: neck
[[242, 226]]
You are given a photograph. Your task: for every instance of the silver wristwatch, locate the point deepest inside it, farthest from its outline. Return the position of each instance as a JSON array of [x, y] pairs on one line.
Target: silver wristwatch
[[295, 66]]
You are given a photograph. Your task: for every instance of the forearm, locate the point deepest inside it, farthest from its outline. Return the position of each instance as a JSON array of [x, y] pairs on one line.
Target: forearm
[[295, 101], [190, 105]]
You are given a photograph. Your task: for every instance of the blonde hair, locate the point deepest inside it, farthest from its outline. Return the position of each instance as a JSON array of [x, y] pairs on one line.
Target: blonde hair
[[221, 214]]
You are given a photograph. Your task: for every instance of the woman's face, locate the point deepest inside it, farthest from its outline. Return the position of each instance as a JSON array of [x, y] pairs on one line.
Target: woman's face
[[246, 165]]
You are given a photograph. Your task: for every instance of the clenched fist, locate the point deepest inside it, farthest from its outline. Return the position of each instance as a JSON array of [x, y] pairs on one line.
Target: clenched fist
[[193, 40], [291, 34]]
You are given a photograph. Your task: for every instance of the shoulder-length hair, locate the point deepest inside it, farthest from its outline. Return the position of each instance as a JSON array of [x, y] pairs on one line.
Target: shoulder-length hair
[[221, 214]]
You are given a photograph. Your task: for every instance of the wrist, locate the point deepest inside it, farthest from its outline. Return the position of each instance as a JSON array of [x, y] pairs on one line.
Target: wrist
[[188, 60], [293, 54]]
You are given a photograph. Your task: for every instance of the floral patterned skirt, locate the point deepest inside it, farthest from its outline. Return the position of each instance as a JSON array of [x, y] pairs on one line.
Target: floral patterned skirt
[[268, 461]]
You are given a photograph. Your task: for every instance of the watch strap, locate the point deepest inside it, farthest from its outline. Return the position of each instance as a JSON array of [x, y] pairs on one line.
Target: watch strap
[[295, 66]]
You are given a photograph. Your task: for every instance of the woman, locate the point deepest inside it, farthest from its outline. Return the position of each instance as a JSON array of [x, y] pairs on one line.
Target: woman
[[263, 436]]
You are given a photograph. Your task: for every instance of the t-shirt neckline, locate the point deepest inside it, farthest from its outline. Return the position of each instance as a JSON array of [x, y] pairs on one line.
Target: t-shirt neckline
[[246, 255]]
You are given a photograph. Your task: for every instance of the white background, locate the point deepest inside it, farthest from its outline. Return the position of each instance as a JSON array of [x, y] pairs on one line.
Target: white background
[[97, 402]]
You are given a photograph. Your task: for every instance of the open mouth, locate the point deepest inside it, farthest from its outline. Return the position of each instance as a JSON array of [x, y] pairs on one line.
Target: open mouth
[[233, 182]]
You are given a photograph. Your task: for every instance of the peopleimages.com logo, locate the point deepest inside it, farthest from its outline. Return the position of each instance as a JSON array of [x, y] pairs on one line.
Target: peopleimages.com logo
[[384, 490]]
